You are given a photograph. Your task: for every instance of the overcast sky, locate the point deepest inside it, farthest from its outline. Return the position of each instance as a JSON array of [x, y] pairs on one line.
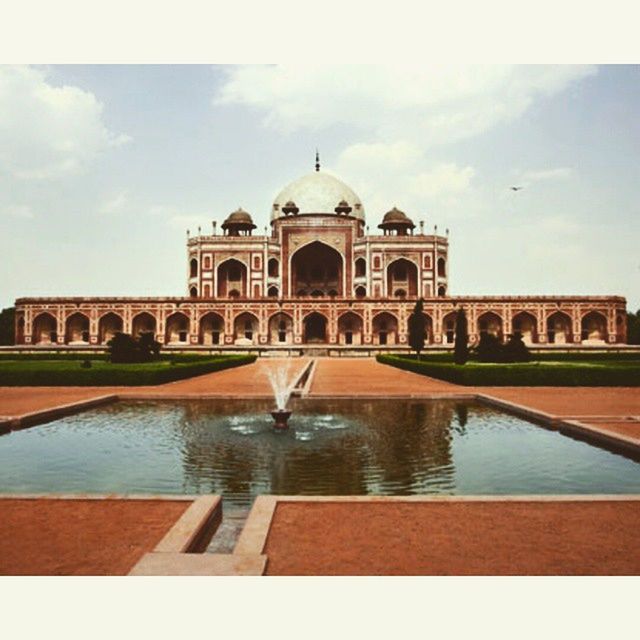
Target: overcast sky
[[103, 168]]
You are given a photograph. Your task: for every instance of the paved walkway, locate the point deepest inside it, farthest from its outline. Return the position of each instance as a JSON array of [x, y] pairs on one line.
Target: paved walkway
[[500, 536], [572, 401], [367, 377]]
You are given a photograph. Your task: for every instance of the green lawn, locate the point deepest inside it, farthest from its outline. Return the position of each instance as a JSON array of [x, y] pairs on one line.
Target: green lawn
[[612, 372], [24, 371]]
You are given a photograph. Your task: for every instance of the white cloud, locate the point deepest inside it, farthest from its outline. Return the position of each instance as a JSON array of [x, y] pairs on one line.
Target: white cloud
[[48, 131], [433, 103], [399, 174]]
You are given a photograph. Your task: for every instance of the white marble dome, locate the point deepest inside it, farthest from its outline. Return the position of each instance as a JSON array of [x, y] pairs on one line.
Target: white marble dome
[[317, 192]]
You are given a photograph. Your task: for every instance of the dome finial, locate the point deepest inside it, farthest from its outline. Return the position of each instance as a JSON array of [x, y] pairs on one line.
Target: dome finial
[[317, 160]]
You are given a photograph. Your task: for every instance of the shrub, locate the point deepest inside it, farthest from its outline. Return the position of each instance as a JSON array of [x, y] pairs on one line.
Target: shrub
[[68, 373], [125, 349], [534, 374], [489, 349], [86, 364], [148, 344], [516, 350]]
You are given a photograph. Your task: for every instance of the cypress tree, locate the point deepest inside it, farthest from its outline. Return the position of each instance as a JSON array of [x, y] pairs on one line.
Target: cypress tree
[[7, 326], [461, 347], [417, 328]]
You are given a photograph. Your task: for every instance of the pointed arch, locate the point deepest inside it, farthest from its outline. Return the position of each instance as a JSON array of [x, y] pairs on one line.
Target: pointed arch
[[384, 328], [449, 327], [211, 329], [143, 322], [559, 328], [44, 329], [428, 327], [245, 328], [402, 278], [491, 323], [273, 268], [315, 327], [317, 267], [108, 325], [526, 324], [177, 328], [77, 328], [281, 328], [350, 328], [593, 327], [232, 278]]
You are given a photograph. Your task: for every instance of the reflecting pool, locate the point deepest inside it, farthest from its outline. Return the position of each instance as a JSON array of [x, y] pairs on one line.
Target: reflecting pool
[[337, 447]]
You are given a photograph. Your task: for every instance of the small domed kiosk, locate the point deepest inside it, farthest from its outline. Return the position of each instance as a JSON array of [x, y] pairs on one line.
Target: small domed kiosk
[[238, 223], [396, 222]]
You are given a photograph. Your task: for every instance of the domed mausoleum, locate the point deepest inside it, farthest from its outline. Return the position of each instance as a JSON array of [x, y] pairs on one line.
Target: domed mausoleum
[[318, 281], [317, 193]]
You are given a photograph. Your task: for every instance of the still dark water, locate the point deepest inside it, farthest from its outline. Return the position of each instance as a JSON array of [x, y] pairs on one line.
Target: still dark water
[[333, 447]]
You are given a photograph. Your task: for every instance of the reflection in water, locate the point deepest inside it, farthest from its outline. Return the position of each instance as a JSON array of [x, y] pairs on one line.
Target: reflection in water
[[337, 447]]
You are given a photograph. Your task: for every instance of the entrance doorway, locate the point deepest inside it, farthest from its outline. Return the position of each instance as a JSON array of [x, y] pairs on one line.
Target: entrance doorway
[[315, 328]]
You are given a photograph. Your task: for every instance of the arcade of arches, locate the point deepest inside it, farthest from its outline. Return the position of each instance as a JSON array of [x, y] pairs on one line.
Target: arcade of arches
[[348, 327]]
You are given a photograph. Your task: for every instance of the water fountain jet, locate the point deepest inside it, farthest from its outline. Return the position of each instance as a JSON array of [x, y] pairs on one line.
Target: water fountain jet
[[282, 386]]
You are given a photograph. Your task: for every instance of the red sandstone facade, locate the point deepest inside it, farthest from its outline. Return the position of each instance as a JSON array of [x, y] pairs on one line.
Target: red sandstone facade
[[318, 278]]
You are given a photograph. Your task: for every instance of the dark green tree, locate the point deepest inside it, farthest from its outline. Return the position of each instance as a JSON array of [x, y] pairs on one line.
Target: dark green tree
[[461, 346], [490, 349], [124, 348], [148, 344], [417, 328], [516, 350], [7, 326], [633, 327]]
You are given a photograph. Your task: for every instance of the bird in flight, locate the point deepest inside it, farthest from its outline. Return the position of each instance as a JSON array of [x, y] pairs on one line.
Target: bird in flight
[[516, 188]]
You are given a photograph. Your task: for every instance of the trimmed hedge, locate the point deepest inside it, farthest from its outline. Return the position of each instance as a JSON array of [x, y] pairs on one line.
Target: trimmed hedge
[[600, 357], [530, 374], [71, 373], [25, 357], [165, 356]]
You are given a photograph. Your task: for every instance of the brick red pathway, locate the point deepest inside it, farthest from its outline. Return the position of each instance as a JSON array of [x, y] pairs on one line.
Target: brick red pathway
[[81, 537], [454, 538], [365, 376]]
